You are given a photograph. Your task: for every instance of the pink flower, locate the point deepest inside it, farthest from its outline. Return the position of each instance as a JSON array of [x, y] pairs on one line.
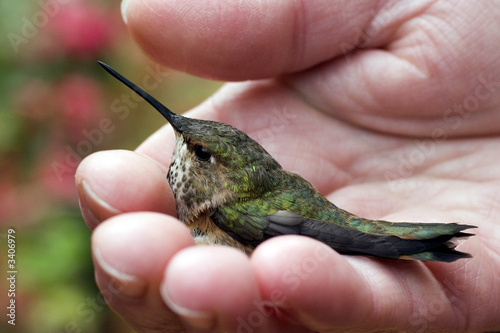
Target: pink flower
[[19, 201], [83, 29], [9, 200], [79, 100], [56, 173], [35, 100]]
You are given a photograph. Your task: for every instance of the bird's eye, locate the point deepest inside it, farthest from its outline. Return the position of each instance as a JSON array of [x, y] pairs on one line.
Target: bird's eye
[[201, 153]]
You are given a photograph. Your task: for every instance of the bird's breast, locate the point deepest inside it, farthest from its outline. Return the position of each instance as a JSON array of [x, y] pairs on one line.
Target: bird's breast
[[205, 232]]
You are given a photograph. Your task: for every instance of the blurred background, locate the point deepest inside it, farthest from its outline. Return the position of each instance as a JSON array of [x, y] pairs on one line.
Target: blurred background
[[56, 107]]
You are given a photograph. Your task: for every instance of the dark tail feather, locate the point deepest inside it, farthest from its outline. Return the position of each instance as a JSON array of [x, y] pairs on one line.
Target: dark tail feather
[[347, 240], [441, 248], [441, 253], [410, 241]]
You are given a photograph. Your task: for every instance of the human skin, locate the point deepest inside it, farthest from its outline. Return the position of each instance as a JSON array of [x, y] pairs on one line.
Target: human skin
[[390, 109]]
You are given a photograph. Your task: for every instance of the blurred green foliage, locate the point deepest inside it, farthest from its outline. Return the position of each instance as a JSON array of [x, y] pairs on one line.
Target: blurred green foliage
[[53, 93]]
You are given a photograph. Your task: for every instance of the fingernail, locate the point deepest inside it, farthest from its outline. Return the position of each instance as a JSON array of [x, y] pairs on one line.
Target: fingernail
[[94, 209], [196, 319], [123, 8], [87, 213], [124, 284]]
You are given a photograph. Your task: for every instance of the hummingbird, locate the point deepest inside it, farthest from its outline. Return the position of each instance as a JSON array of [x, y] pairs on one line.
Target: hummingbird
[[230, 191]]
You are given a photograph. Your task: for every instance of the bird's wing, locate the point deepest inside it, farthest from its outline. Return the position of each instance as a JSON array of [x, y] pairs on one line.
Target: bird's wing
[[251, 230], [343, 239]]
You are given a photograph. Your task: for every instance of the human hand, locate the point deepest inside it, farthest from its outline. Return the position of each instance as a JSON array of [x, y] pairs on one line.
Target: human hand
[[346, 121]]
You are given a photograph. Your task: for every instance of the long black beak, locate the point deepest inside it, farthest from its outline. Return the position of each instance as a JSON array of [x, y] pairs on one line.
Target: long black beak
[[171, 117]]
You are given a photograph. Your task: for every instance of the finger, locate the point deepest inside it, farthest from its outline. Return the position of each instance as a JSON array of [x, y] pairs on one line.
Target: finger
[[210, 286], [113, 182], [214, 288], [130, 253], [311, 283], [231, 40], [324, 290]]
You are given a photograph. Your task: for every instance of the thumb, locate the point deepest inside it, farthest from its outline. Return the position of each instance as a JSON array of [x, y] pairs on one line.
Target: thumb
[[230, 40]]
